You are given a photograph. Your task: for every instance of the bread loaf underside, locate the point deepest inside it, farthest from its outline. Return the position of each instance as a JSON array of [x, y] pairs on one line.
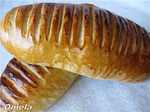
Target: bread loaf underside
[[38, 87], [83, 39]]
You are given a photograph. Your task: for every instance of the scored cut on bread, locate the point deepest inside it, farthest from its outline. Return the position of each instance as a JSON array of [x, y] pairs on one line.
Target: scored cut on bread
[[79, 38], [36, 87]]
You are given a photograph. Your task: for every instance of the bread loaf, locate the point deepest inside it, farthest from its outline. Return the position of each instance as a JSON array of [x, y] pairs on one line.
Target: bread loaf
[[36, 87], [81, 38]]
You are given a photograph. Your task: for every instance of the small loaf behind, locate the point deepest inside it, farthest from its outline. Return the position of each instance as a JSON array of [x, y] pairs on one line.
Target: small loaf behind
[[38, 87], [83, 39]]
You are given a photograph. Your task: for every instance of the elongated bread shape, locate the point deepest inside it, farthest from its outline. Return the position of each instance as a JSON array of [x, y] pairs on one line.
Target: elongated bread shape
[[83, 39], [36, 87]]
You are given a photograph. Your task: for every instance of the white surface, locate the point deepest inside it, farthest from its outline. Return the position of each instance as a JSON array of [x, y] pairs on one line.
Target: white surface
[[89, 95]]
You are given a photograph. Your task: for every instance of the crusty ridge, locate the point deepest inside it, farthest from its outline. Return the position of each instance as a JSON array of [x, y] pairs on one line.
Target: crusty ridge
[[78, 25]]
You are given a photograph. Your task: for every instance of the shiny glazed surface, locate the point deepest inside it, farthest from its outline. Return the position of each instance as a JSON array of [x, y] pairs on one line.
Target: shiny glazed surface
[[83, 39]]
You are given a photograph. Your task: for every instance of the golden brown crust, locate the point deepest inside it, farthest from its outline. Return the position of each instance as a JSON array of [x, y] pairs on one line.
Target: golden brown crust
[[36, 86], [79, 38]]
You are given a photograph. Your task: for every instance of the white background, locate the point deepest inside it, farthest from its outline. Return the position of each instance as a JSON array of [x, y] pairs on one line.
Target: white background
[[89, 95]]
